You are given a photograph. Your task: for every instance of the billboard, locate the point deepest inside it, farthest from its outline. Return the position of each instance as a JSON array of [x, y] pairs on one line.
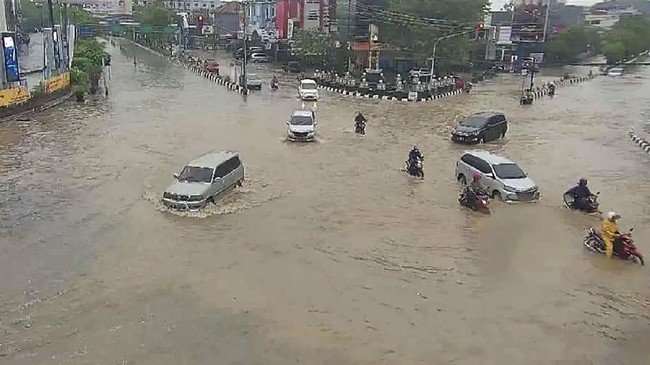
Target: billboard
[[113, 7], [12, 71], [529, 18]]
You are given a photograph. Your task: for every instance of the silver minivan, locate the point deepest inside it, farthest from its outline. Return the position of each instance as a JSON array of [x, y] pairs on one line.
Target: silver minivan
[[500, 177], [203, 179]]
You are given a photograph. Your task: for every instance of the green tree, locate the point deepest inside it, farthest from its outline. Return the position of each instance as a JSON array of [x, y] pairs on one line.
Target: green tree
[[570, 45], [35, 15], [155, 15], [89, 56], [413, 26], [309, 44], [632, 33]]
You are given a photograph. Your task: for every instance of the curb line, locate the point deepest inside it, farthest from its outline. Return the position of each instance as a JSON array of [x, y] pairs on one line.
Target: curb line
[[641, 142], [369, 95]]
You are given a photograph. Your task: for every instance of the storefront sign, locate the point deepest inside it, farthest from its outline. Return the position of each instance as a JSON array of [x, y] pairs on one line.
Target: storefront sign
[[10, 97], [56, 83]]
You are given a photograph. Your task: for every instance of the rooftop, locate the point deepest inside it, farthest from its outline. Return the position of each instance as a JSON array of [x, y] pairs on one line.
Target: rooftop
[[212, 159], [489, 157]]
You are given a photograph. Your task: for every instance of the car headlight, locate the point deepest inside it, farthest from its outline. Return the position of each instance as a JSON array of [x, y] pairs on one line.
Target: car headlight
[[510, 189], [195, 198], [167, 195]]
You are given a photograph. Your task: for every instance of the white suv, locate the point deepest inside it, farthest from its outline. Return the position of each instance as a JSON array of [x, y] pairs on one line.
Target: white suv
[[501, 177]]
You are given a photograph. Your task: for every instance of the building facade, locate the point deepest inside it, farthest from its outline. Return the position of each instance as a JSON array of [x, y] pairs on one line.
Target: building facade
[[305, 14]]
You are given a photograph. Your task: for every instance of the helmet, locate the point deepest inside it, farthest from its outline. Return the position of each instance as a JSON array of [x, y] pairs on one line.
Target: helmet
[[612, 216], [582, 181], [476, 176], [415, 147]]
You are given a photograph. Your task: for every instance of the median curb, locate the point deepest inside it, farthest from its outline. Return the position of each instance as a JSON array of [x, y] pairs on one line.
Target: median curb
[[217, 79], [371, 95], [641, 142], [542, 92]]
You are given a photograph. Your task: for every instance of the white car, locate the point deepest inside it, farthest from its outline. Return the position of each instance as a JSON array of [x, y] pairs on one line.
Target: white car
[[302, 126], [259, 58], [253, 82], [308, 90], [500, 177]]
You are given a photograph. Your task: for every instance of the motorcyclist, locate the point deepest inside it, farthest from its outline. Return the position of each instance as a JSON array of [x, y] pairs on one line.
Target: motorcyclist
[[528, 94], [582, 196], [472, 190], [360, 118], [610, 232], [274, 81], [414, 155]]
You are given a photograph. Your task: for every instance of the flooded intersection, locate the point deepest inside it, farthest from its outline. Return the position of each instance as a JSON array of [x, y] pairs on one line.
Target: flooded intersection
[[330, 253]]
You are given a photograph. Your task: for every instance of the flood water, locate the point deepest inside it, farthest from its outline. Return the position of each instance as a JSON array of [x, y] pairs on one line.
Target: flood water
[[329, 254]]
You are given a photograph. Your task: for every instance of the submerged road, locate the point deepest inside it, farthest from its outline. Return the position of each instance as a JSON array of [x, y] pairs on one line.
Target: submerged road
[[329, 254]]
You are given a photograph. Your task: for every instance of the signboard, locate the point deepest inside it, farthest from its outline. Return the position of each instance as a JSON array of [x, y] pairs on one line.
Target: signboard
[[529, 18], [146, 29], [504, 35], [290, 25], [537, 57], [86, 30], [117, 7], [56, 83], [17, 95], [12, 71], [117, 29], [169, 30]]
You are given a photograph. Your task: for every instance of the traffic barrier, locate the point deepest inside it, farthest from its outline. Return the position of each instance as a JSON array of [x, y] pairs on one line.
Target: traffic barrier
[[372, 94], [541, 92], [642, 142], [231, 86]]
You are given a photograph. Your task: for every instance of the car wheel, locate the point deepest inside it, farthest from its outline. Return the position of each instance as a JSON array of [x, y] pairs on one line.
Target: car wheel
[[462, 179], [209, 201], [481, 139], [240, 183], [496, 194], [503, 134]]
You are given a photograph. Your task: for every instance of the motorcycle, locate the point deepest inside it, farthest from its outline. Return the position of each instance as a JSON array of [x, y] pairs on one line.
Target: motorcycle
[[551, 91], [274, 85], [360, 127], [569, 199], [526, 100], [482, 202], [415, 169], [468, 87], [594, 243]]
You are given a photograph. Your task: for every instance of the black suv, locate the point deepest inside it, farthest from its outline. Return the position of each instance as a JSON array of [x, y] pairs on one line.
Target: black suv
[[292, 66], [480, 127]]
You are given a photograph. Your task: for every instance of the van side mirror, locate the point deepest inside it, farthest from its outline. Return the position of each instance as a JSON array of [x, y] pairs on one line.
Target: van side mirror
[[287, 122], [176, 176], [490, 175], [631, 229]]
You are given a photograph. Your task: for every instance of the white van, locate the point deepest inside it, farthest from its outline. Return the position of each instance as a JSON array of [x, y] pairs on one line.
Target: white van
[[308, 90]]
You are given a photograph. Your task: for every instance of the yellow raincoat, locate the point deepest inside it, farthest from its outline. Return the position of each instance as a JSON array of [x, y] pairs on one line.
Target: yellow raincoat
[[608, 231]]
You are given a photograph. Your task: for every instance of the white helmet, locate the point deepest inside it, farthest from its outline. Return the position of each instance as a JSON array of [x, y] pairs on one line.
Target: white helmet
[[612, 216]]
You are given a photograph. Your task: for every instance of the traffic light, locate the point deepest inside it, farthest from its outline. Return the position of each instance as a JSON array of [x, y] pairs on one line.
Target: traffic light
[[480, 31]]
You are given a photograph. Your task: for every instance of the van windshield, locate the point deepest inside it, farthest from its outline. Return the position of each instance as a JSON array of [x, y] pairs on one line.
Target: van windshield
[[509, 171], [196, 174], [308, 86], [301, 120], [475, 122]]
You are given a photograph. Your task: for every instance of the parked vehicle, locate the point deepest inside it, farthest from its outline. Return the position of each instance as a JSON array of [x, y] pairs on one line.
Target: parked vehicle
[[308, 90], [259, 58], [568, 197], [373, 77], [302, 126], [482, 203], [253, 82], [360, 127], [212, 66], [502, 178], [480, 127], [203, 179], [616, 71], [292, 67], [594, 242]]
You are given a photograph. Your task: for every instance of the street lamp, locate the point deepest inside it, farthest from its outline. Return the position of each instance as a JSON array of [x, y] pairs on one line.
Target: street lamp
[[435, 45]]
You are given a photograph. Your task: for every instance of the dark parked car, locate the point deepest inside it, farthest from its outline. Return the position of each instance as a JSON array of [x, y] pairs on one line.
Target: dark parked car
[[480, 127], [292, 66]]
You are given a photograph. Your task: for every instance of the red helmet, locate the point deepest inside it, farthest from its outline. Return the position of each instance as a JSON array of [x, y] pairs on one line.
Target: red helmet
[[476, 176]]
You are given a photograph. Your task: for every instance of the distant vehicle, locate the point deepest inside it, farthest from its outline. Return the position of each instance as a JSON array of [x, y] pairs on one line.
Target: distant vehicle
[[373, 77], [212, 66], [308, 90], [253, 81], [203, 179], [616, 71], [259, 58], [502, 178], [252, 50], [302, 126], [480, 127], [292, 67]]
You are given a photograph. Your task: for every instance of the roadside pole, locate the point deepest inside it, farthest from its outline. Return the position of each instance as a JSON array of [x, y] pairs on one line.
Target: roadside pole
[[244, 83]]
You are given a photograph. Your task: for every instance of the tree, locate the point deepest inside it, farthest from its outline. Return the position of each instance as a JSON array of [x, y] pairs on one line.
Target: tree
[[614, 52], [627, 38], [413, 26], [89, 56], [509, 6], [570, 45], [155, 15], [309, 44]]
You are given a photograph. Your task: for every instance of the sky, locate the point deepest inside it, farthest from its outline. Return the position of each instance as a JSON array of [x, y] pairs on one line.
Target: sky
[[497, 4]]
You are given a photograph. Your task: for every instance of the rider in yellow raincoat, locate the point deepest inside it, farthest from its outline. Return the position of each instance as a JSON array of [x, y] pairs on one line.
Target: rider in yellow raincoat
[[609, 231]]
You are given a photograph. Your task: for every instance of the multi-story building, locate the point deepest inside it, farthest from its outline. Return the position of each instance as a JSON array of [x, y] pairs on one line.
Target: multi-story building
[[261, 17], [191, 5], [305, 14]]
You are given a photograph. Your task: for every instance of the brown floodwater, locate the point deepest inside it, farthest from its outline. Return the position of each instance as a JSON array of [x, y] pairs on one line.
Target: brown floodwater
[[329, 254]]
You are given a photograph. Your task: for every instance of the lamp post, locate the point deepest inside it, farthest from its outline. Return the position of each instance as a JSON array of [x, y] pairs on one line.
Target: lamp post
[[435, 45], [245, 49]]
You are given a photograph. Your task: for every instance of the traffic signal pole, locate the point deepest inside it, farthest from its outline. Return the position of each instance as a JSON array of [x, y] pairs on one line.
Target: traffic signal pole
[[245, 49]]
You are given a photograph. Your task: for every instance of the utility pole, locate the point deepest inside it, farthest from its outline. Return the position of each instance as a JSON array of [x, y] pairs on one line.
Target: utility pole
[[55, 36], [244, 81], [435, 45], [349, 42]]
